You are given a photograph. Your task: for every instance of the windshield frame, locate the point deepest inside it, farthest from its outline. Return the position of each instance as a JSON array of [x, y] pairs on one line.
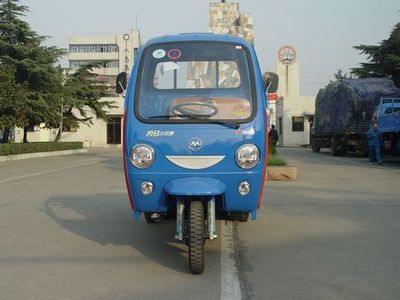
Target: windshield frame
[[253, 90]]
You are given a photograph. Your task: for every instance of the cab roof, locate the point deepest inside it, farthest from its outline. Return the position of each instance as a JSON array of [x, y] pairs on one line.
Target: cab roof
[[203, 37]]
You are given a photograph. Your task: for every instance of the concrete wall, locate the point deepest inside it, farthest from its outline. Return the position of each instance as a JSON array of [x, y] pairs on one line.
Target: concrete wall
[[94, 135], [289, 79], [226, 18], [291, 104], [289, 107]]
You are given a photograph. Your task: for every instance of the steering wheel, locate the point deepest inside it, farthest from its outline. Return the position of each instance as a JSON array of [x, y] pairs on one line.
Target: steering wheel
[[207, 109]]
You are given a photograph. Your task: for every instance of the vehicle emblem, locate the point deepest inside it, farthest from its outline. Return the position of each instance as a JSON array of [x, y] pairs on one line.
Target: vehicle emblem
[[195, 144]]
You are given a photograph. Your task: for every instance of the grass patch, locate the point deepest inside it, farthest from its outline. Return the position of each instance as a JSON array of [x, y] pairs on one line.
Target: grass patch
[[276, 160], [22, 148]]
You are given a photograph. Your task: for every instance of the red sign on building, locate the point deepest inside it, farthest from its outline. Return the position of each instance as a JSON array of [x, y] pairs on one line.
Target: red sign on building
[[272, 96]]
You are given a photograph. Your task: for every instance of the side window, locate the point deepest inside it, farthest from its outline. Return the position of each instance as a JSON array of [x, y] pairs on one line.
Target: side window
[[164, 75]]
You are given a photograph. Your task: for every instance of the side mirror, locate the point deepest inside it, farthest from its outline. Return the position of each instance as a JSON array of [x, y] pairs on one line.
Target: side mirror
[[121, 82], [271, 81]]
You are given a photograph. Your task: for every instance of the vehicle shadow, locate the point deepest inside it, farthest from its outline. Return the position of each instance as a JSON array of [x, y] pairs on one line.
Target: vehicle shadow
[[106, 219]]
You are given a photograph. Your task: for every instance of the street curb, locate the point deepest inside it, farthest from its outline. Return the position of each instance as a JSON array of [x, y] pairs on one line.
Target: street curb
[[40, 154], [282, 173]]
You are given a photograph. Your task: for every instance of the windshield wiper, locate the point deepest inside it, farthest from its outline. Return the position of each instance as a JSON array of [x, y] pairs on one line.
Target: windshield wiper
[[234, 125]]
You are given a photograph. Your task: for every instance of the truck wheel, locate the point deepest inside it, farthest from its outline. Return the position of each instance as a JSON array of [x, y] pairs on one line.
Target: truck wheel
[[150, 218], [334, 146], [315, 146], [343, 150], [196, 237]]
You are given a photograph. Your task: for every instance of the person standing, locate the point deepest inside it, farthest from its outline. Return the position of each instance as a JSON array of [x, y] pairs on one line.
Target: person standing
[[272, 139], [374, 144]]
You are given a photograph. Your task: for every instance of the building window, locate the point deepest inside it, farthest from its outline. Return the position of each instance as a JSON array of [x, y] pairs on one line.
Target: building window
[[298, 124], [93, 48], [107, 84], [67, 128], [106, 79], [105, 64], [280, 126]]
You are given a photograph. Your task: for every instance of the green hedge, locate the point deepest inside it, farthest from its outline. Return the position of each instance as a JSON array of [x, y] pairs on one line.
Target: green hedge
[[276, 160], [21, 148]]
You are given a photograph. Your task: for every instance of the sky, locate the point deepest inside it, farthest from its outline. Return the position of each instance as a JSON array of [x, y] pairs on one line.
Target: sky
[[323, 32]]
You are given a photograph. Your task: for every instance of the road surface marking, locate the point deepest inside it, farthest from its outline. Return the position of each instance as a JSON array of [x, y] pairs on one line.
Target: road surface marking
[[230, 285], [91, 162]]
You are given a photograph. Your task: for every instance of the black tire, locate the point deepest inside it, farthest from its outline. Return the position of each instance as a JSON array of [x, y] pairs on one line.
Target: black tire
[[315, 146], [334, 146], [196, 237], [149, 219]]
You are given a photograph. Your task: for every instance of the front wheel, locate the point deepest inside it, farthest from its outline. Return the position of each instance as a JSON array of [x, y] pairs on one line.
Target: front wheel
[[152, 217], [196, 237], [243, 217], [315, 146]]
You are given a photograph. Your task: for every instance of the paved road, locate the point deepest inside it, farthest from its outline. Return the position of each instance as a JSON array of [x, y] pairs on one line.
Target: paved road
[[332, 234], [66, 232]]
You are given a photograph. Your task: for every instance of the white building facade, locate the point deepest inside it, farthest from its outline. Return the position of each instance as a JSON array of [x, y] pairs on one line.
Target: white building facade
[[115, 54], [294, 113]]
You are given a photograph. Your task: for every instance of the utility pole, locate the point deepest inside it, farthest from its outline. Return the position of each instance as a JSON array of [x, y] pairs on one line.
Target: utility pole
[[61, 118]]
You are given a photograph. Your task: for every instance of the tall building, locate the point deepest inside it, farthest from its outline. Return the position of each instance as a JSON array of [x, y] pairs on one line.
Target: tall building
[[294, 113], [116, 54], [226, 18]]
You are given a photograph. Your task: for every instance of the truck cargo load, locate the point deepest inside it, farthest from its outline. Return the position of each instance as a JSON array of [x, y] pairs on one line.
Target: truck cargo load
[[344, 111], [348, 105]]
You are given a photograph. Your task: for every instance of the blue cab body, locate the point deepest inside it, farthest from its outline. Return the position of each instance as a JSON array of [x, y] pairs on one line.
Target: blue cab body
[[388, 115], [196, 155]]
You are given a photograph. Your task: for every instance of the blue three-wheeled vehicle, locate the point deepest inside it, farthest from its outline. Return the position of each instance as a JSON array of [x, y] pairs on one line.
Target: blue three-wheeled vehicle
[[195, 134]]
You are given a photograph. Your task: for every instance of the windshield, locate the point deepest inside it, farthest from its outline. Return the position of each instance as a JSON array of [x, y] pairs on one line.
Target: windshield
[[389, 105], [194, 82]]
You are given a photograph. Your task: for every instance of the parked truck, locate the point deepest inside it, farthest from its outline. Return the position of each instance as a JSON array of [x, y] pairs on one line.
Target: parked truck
[[343, 113]]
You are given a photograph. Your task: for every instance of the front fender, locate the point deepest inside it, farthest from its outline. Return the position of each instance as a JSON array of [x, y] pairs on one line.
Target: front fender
[[195, 186]]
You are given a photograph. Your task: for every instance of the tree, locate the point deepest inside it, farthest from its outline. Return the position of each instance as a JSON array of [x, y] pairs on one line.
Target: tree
[[339, 75], [34, 90], [383, 59], [11, 103], [31, 65], [81, 98]]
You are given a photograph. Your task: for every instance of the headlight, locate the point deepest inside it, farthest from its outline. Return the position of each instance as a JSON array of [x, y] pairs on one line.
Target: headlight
[[142, 156], [247, 156]]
